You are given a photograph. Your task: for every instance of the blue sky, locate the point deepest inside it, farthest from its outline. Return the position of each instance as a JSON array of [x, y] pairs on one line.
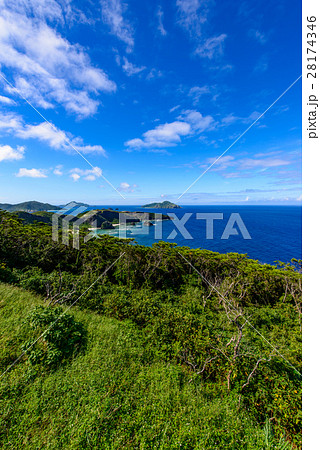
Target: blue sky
[[151, 94]]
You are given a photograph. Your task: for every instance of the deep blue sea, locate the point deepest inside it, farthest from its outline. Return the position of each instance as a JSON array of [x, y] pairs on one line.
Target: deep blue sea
[[275, 231]]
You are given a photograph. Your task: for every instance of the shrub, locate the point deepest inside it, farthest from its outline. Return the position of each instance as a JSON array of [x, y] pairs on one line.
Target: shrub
[[61, 336], [106, 225]]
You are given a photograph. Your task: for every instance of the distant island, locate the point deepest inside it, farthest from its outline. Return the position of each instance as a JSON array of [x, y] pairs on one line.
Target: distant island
[[164, 205], [34, 206], [29, 207], [74, 204]]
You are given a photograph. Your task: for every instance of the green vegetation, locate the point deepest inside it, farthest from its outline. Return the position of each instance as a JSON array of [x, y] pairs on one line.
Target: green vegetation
[[40, 216], [164, 205], [107, 225], [100, 216], [152, 355], [61, 336], [31, 206], [109, 395]]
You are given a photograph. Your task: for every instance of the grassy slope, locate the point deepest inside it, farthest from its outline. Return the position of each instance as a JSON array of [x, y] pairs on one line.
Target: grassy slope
[[108, 396]]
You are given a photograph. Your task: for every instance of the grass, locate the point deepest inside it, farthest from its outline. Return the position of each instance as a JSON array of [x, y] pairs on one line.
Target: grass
[[110, 395]]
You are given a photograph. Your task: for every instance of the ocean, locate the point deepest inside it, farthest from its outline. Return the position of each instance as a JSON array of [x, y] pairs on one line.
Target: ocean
[[275, 231]]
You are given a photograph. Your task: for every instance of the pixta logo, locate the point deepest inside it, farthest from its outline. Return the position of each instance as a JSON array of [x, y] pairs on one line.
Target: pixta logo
[[127, 227], [68, 221]]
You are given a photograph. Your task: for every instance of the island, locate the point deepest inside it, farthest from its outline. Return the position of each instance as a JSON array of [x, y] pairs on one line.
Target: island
[[162, 205], [34, 206], [30, 206], [108, 219], [74, 204]]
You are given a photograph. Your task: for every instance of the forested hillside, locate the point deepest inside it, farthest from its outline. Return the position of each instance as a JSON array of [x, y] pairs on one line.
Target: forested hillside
[[165, 346], [31, 206]]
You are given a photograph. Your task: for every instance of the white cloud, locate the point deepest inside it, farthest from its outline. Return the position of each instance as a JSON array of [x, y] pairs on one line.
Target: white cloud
[[75, 176], [43, 132], [48, 69], [48, 133], [10, 122], [212, 47], [42, 9], [85, 149], [198, 122], [6, 100], [243, 166], [169, 134], [113, 14], [264, 163], [231, 118], [7, 153], [58, 171], [31, 90], [88, 174], [174, 108], [196, 92], [258, 35], [126, 187], [222, 163], [31, 173], [192, 15], [130, 69], [165, 135], [161, 28], [154, 73]]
